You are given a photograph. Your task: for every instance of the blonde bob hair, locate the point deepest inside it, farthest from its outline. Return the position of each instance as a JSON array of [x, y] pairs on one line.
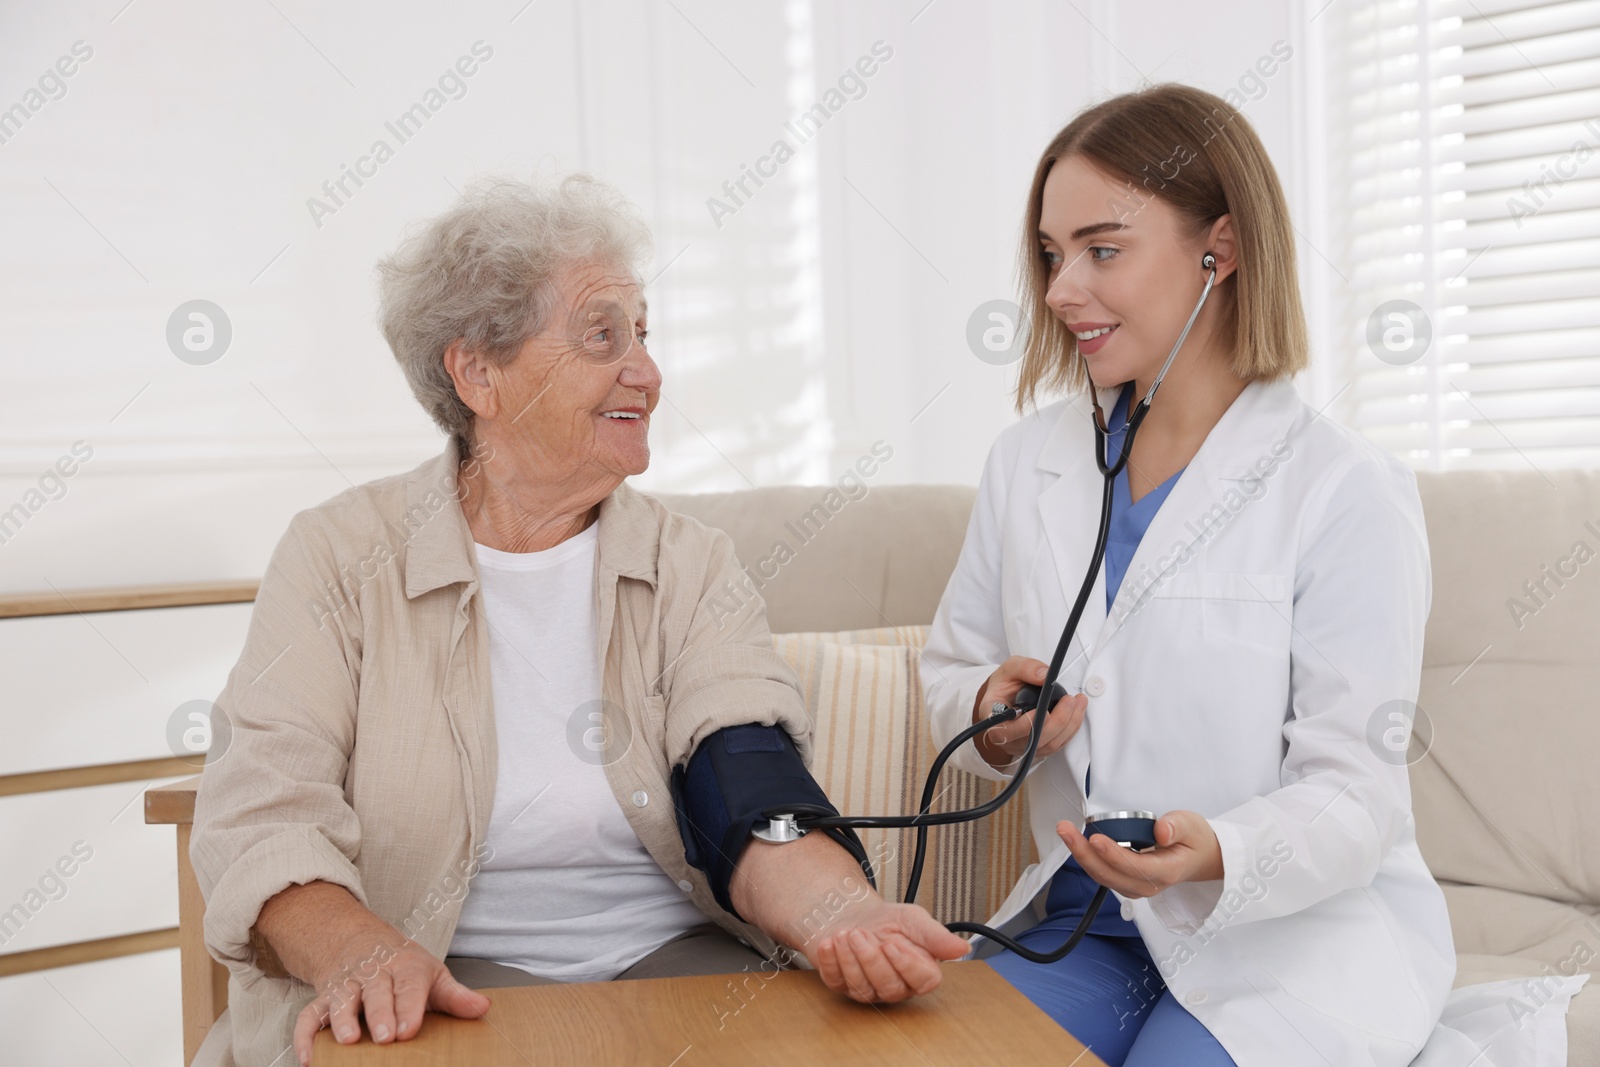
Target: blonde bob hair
[[1197, 154]]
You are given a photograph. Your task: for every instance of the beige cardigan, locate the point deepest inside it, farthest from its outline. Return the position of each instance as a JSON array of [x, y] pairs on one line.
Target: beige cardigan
[[359, 742]]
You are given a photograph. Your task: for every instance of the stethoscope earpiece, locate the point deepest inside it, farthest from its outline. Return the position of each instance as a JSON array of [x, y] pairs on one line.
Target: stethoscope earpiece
[[1208, 261]]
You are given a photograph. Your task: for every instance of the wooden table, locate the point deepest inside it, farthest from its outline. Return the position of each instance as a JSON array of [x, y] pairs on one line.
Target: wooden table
[[758, 1017]]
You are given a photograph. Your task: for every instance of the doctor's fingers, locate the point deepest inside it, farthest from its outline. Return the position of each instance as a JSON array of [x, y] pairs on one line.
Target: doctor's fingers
[[1007, 679], [1130, 874], [1016, 672], [1060, 726], [1064, 720]]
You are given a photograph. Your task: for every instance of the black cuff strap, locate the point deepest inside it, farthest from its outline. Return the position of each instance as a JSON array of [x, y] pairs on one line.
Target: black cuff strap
[[736, 774]]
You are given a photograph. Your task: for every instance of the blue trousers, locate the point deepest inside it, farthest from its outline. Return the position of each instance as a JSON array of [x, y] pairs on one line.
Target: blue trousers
[[1108, 994]]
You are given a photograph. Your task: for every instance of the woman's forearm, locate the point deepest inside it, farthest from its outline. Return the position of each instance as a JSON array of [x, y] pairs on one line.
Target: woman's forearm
[[305, 926], [794, 891]]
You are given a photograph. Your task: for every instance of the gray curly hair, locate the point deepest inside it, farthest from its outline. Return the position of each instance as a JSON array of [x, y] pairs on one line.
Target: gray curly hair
[[487, 272]]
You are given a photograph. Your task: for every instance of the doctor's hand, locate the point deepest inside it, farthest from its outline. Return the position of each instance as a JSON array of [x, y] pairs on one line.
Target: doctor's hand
[[1002, 745], [1186, 850]]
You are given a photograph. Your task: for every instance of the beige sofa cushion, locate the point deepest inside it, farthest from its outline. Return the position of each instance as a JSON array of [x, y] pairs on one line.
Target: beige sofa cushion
[[872, 753], [1499, 922], [1508, 796], [824, 560]]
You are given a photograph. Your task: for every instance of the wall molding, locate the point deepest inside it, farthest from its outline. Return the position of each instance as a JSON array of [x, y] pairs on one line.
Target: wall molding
[[28, 456]]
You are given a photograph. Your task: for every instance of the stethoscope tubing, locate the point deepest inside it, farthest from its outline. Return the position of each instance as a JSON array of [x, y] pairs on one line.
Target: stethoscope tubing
[[818, 819]]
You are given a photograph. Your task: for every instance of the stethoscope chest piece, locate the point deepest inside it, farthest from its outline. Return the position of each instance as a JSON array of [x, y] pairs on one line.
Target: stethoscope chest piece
[[780, 830]]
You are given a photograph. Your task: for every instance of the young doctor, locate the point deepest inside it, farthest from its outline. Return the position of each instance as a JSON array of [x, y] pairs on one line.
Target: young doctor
[[1251, 641]]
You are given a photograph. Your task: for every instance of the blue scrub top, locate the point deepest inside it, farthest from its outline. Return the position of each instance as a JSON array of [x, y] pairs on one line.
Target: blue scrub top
[[1071, 889]]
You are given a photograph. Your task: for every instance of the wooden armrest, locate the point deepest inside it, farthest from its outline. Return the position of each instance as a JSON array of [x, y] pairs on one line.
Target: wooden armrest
[[205, 981], [171, 804], [128, 598]]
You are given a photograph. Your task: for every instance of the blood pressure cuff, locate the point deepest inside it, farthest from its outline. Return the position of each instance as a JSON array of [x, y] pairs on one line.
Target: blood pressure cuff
[[733, 776]]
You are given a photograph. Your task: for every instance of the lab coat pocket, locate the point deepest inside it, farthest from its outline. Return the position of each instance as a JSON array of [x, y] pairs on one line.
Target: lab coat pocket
[[1222, 585], [1252, 607], [1242, 621]]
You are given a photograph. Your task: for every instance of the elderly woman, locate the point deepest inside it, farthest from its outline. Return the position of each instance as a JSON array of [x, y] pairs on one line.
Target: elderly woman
[[467, 690]]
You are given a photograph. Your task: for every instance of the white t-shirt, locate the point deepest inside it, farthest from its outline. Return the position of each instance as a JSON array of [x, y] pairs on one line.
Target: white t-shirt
[[568, 891]]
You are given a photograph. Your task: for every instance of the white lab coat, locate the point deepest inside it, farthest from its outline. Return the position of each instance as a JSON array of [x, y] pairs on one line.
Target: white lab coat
[[1252, 684]]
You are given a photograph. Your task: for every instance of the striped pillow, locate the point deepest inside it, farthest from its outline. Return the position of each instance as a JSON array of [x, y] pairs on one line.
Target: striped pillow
[[871, 754]]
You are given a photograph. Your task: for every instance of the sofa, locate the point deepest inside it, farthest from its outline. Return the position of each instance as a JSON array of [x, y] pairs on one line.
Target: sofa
[[1505, 754], [1505, 781]]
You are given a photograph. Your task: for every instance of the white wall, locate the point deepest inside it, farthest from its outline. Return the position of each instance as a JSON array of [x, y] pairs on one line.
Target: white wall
[[828, 312]]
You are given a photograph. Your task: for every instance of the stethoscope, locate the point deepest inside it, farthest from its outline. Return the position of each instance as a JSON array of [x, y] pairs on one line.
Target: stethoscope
[[1131, 829]]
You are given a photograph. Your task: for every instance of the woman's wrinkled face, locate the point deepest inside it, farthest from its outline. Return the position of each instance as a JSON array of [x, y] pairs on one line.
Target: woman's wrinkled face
[[1118, 260], [577, 398]]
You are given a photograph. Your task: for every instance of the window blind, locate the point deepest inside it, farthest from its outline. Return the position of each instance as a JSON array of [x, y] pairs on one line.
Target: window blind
[[1465, 138]]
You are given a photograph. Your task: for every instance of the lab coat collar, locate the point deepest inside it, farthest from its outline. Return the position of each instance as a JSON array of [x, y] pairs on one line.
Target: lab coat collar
[[1259, 417]]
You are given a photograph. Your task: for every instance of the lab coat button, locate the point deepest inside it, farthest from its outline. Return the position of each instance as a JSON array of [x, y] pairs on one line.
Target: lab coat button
[[1095, 686], [685, 885], [1198, 996], [1127, 910], [640, 798]]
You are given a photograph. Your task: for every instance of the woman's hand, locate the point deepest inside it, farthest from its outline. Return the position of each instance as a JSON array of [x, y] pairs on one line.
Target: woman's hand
[[392, 983], [882, 952], [1186, 850], [358, 963], [1003, 745], [868, 948]]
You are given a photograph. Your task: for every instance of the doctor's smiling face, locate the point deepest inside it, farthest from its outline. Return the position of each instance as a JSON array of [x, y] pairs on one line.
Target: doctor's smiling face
[[1126, 264]]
